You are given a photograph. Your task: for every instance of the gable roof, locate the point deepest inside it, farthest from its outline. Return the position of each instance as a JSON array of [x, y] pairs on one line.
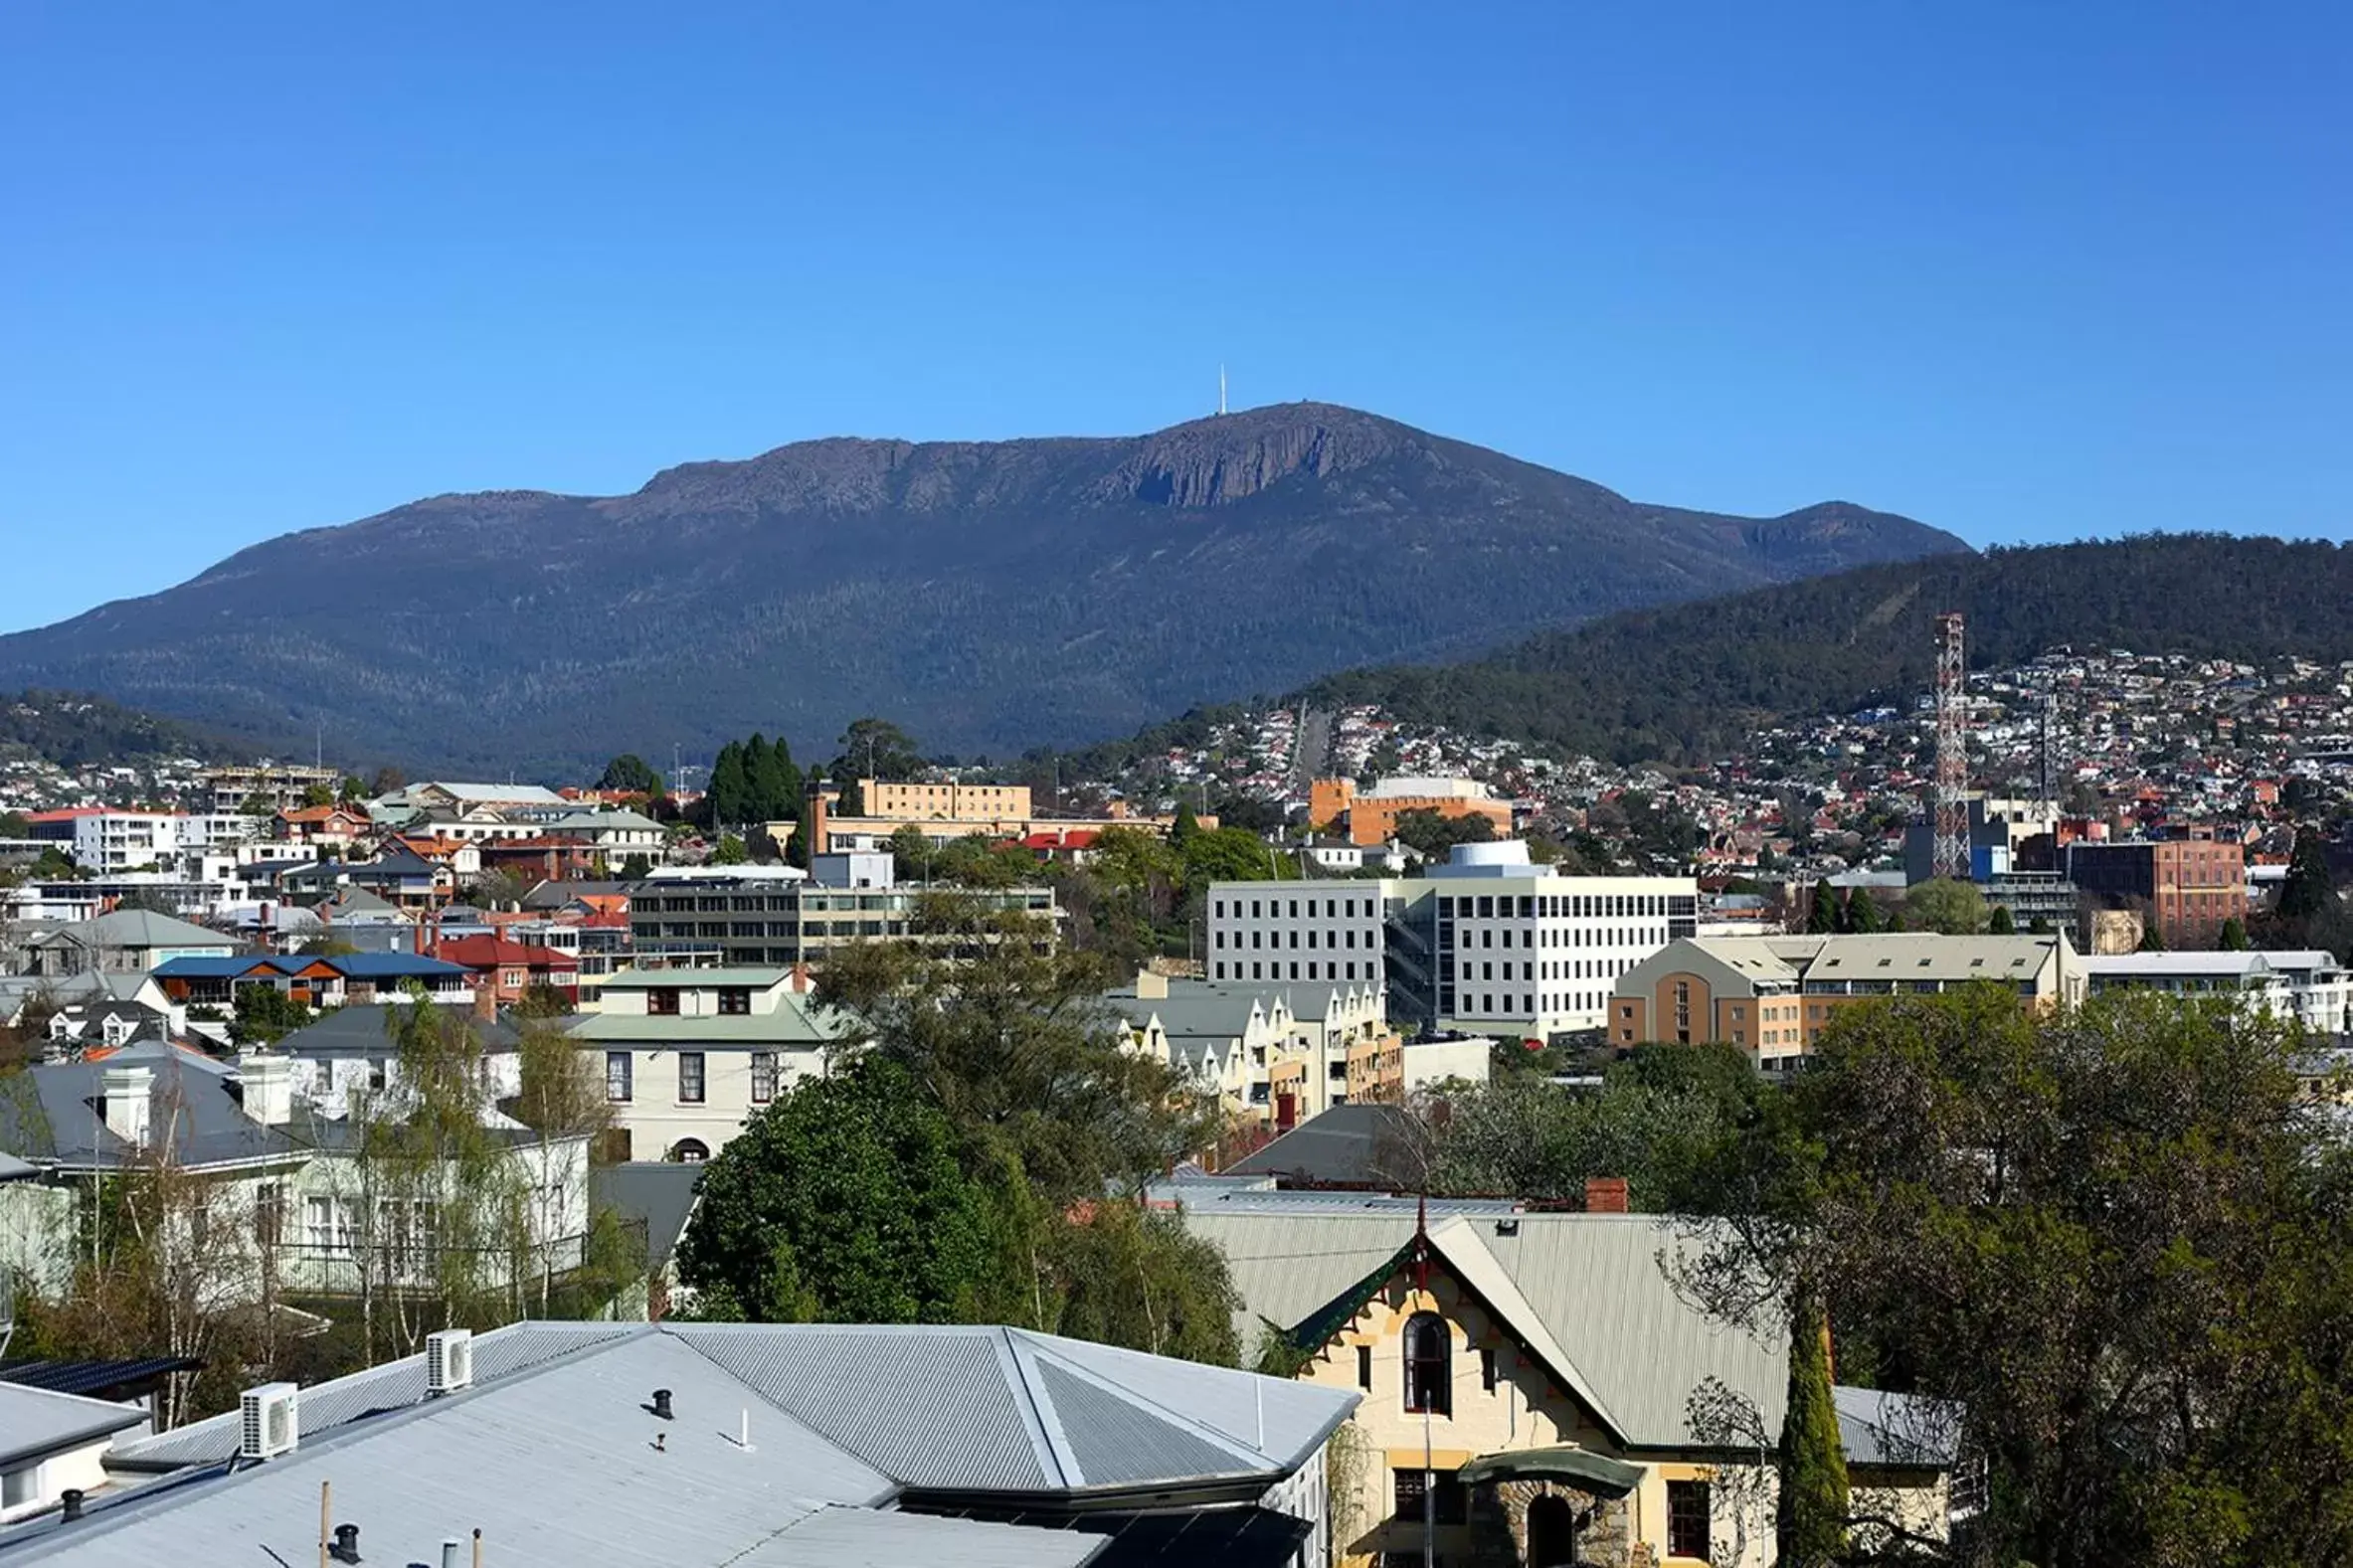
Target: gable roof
[[657, 1194], [366, 1032], [1345, 1146], [1585, 1293], [143, 928]]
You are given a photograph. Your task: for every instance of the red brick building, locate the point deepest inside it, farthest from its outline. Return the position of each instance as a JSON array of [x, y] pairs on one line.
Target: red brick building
[[2189, 886]]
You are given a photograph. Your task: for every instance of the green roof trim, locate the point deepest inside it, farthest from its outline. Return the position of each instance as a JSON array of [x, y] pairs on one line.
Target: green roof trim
[[1580, 1468], [1338, 1314]]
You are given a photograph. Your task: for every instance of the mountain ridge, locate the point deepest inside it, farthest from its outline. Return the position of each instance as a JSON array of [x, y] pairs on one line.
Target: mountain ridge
[[993, 594]]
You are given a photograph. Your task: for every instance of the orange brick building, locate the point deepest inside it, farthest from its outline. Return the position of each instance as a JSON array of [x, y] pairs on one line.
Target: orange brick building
[[1371, 817]]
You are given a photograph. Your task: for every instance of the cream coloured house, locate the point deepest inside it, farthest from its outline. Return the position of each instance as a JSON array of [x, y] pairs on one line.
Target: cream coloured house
[[1534, 1386], [688, 1055]]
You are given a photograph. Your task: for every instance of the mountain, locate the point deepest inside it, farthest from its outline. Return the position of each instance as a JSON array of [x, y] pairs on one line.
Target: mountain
[[1690, 681], [988, 596]]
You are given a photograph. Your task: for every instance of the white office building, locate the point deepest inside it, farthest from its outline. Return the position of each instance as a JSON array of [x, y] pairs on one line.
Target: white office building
[[1489, 944]]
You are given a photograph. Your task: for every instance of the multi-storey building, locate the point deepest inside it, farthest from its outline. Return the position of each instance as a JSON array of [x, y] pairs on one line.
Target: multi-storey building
[[1489, 944], [1770, 996], [768, 914], [2307, 985], [283, 787], [2188, 886], [943, 813], [1371, 817], [109, 840]]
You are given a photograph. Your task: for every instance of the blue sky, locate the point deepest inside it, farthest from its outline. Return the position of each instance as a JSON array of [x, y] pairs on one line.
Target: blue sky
[[2028, 272]]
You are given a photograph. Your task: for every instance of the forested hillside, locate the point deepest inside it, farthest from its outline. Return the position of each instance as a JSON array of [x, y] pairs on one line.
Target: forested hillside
[[75, 731], [1688, 681]]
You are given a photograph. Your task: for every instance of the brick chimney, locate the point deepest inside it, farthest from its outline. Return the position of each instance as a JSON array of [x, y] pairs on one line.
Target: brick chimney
[[1605, 1195], [485, 1000], [798, 984], [813, 820]]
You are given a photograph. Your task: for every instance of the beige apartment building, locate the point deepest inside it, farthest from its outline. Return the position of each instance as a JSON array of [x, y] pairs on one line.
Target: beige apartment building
[[943, 812]]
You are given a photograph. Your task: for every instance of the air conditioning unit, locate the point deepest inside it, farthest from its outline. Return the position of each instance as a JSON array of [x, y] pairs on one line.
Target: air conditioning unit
[[267, 1427], [448, 1360]]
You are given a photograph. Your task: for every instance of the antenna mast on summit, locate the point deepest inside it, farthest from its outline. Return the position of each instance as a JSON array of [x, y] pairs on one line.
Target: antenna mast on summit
[[1221, 389], [1948, 803]]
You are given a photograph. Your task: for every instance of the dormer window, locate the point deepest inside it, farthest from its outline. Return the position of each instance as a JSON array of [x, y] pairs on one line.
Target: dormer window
[[663, 1002], [735, 1001]]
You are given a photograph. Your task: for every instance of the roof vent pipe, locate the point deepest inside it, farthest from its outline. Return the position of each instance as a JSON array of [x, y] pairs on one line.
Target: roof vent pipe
[[661, 1404], [70, 1504], [452, 1554], [346, 1548]]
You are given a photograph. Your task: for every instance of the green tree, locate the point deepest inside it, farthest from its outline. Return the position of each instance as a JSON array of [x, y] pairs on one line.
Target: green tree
[[351, 790], [256, 804], [264, 1013], [1129, 1277], [844, 1201], [1812, 1502], [1946, 906], [877, 749], [386, 780], [631, 773], [2309, 890], [1999, 922], [635, 868], [1229, 854], [2152, 936], [1186, 825], [317, 795], [1862, 913], [1006, 1032], [1822, 919], [2107, 1235], [775, 782], [730, 794], [731, 851], [2234, 936], [1431, 835], [852, 801]]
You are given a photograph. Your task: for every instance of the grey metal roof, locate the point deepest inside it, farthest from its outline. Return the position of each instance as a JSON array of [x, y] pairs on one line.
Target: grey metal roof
[[658, 1195], [838, 1537], [1223, 1016], [143, 928], [793, 1023], [1590, 1285], [35, 1422], [191, 1096], [1901, 1431], [557, 1467], [366, 1032], [758, 977], [551, 1454], [1348, 1144], [395, 1385]]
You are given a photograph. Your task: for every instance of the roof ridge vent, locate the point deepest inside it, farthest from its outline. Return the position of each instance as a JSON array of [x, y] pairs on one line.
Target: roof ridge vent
[[266, 1421]]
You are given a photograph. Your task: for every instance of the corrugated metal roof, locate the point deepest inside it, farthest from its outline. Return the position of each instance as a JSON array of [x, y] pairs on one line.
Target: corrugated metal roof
[[1116, 1441], [871, 1538], [856, 1385], [35, 1422], [555, 1467], [1347, 1144], [91, 1377], [1283, 1422], [395, 1385], [1592, 1282]]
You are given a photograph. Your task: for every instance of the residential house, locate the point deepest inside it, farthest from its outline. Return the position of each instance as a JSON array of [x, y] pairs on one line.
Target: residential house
[[331, 979], [507, 969], [616, 836], [78, 1026], [124, 942], [690, 1054], [1527, 1381], [1222, 1042], [655, 1199], [109, 840], [349, 1054], [1388, 1069], [275, 1190], [323, 826], [571, 1445]]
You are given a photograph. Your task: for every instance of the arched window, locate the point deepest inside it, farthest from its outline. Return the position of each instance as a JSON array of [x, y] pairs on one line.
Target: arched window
[[690, 1152], [1429, 1368]]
